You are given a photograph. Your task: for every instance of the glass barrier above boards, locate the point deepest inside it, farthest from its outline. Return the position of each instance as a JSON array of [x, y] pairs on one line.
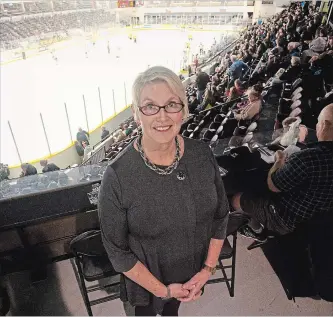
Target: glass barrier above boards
[[50, 181]]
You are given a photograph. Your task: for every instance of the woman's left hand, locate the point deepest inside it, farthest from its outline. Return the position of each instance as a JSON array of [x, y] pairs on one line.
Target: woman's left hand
[[195, 284]]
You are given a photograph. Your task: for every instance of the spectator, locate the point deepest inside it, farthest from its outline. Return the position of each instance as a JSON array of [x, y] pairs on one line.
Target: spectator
[[4, 172], [207, 102], [158, 266], [252, 106], [293, 71], [236, 91], [329, 46], [87, 152], [82, 136], [105, 133], [28, 169], [201, 80], [237, 69], [299, 187], [316, 47], [79, 148], [48, 167]]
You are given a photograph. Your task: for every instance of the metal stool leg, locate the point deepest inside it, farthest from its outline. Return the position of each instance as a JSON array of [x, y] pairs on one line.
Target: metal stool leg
[[83, 288], [233, 265]]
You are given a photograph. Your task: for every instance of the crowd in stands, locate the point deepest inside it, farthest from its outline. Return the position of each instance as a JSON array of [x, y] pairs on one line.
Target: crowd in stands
[[39, 26], [284, 64], [294, 44]]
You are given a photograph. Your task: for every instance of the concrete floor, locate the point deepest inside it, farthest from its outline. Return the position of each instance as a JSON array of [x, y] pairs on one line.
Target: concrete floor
[[257, 292]]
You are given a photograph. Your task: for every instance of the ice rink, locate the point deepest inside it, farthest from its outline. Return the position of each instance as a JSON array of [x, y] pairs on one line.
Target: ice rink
[[40, 85]]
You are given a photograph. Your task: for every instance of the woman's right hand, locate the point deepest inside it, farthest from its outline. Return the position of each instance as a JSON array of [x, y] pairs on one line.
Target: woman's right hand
[[177, 291]]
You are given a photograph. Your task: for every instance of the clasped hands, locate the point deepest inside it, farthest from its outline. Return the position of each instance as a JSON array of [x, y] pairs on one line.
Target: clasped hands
[[192, 289]]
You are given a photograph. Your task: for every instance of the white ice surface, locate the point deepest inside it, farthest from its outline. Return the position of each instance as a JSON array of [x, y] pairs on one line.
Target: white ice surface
[[39, 85]]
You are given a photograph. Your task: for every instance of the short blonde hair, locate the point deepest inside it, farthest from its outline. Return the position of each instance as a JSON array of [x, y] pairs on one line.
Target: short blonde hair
[[157, 74], [295, 60]]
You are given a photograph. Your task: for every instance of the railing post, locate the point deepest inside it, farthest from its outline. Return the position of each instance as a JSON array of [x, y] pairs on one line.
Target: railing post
[[114, 102], [68, 122], [17, 150], [125, 95], [329, 14], [85, 111], [46, 138], [100, 103]]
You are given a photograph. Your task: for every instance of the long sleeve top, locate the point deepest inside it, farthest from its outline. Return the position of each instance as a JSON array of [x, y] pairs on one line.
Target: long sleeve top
[[161, 220]]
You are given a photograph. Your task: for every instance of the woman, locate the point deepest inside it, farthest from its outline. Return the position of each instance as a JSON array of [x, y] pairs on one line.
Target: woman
[[163, 208], [253, 106], [208, 100]]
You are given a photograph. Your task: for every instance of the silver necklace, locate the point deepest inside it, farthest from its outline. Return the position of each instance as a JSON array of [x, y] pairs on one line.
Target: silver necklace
[[161, 171]]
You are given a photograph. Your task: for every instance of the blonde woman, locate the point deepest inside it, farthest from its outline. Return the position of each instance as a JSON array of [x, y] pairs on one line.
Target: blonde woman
[[163, 208]]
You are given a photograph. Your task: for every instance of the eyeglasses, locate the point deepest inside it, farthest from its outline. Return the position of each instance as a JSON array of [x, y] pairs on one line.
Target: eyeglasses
[[151, 109]]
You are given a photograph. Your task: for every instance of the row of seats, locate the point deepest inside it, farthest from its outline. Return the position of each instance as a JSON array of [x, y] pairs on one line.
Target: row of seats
[[37, 26]]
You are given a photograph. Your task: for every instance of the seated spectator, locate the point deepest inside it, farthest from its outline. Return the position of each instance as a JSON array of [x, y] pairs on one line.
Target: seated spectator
[[28, 169], [125, 129], [4, 172], [293, 71], [105, 133], [119, 135], [249, 56], [325, 62], [236, 91], [329, 46], [87, 152], [193, 103], [225, 62], [48, 167], [201, 81], [293, 48], [82, 136], [208, 100], [298, 187], [252, 106], [316, 47]]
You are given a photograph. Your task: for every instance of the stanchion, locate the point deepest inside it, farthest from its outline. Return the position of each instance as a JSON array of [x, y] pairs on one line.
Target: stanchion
[[68, 122], [17, 150], [46, 138], [125, 94], [100, 103], [85, 111], [114, 102]]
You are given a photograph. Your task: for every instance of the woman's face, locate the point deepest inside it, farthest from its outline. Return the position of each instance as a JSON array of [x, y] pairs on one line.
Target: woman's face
[[252, 97], [161, 127]]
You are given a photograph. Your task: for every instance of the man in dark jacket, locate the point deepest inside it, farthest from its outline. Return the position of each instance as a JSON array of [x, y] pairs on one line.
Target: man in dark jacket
[[237, 69], [28, 169], [293, 71], [82, 136], [105, 133], [48, 167], [201, 81]]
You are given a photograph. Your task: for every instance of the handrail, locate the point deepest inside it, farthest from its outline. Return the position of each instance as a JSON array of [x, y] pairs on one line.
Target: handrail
[[219, 53]]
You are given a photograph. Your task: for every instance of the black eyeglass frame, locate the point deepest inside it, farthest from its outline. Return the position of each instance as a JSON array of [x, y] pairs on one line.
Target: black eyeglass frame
[[163, 107]]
